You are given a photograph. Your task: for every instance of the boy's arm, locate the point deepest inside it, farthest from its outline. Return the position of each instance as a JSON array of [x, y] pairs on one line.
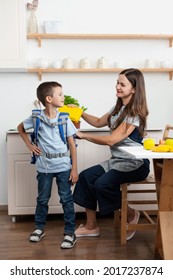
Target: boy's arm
[[33, 148], [73, 153]]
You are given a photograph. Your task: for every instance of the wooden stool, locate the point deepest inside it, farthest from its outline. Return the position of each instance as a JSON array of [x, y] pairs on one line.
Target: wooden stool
[[125, 200], [166, 133]]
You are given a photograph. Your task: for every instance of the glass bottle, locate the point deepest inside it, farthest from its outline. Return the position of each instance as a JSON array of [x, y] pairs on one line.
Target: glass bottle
[[32, 25]]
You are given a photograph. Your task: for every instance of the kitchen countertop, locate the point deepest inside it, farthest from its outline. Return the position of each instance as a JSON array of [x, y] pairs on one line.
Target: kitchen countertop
[[104, 129], [15, 131]]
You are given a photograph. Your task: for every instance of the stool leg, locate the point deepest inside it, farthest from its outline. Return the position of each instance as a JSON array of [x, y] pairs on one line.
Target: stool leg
[[123, 213], [117, 218]]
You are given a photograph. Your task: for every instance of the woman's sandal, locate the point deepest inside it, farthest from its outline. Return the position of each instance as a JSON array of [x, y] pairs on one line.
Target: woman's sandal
[[36, 235], [68, 242]]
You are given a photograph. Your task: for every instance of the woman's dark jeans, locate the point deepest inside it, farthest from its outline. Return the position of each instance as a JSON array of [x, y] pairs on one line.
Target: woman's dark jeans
[[97, 187]]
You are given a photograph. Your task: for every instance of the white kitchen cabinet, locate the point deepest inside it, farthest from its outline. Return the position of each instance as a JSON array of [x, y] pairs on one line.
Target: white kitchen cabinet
[[13, 35], [22, 183]]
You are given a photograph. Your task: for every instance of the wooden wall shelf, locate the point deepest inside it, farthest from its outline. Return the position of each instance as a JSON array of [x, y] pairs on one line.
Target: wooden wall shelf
[[41, 36], [40, 71]]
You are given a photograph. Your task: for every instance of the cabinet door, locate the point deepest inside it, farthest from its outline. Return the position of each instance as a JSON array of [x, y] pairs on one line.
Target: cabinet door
[[22, 187], [13, 35], [93, 153]]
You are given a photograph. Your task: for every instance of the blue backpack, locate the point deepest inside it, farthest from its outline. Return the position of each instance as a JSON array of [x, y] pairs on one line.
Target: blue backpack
[[62, 126]]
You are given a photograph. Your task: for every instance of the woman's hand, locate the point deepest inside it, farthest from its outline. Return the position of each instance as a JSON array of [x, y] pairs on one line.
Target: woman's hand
[[80, 135]]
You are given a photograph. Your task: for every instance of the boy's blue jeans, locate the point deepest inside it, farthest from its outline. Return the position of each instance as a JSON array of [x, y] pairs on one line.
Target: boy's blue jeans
[[44, 193]]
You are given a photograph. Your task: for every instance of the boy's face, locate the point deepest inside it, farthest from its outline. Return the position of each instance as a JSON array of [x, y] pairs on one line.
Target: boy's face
[[57, 99]]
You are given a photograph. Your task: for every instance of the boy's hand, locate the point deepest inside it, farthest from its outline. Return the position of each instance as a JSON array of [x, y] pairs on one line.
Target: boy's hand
[[34, 149], [73, 177]]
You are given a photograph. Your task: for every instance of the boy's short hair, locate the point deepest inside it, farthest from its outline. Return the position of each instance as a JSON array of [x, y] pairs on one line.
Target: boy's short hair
[[46, 89]]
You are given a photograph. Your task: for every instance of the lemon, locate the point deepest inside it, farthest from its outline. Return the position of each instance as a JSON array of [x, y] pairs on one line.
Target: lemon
[[169, 142], [149, 143], [160, 148], [171, 148]]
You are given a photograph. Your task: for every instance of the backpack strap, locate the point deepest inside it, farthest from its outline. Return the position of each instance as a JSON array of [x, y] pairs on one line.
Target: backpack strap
[[36, 116], [62, 125], [34, 134]]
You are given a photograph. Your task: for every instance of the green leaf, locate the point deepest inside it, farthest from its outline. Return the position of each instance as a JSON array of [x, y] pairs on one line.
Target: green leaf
[[71, 100], [84, 108]]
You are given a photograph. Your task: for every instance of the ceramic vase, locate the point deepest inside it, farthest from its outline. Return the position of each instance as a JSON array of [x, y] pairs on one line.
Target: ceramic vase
[[32, 24]]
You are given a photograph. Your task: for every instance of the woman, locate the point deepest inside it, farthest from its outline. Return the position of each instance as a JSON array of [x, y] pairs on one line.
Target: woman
[[100, 184]]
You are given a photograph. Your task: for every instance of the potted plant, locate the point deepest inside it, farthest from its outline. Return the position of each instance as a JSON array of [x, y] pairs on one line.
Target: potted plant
[[75, 111]]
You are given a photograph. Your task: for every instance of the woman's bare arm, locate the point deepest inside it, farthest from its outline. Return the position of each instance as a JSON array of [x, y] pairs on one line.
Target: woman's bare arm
[[120, 133], [95, 121]]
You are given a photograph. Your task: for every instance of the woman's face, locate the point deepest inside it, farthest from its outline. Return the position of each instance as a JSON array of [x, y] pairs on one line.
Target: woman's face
[[124, 89]]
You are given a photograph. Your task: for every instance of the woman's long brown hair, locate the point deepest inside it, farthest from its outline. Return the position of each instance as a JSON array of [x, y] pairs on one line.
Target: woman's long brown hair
[[138, 103]]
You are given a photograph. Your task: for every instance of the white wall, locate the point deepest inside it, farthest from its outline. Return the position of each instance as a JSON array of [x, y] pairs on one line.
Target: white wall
[[95, 91]]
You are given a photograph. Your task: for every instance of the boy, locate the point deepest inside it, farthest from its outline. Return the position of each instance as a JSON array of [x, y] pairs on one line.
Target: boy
[[53, 160]]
